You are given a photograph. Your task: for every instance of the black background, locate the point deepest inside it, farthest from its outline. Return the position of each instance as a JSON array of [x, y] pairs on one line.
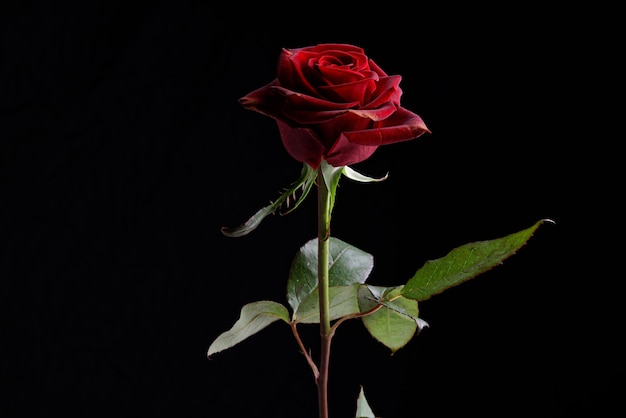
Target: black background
[[123, 151]]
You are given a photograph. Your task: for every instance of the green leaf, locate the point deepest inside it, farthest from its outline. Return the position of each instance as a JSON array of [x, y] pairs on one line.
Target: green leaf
[[356, 176], [463, 263], [304, 183], [343, 301], [363, 409], [347, 265], [253, 318], [396, 322]]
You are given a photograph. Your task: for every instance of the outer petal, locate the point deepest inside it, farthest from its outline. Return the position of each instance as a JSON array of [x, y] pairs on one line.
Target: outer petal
[[291, 73], [263, 100], [387, 90], [337, 47], [302, 144], [303, 101], [378, 114], [346, 153], [279, 103], [403, 125]]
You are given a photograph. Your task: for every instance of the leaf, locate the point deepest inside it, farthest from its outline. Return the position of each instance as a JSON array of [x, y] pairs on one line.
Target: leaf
[[396, 322], [343, 301], [253, 318], [347, 265], [363, 409], [463, 263], [305, 182]]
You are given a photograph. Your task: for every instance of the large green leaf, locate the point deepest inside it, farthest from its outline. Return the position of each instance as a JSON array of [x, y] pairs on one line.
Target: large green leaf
[[253, 318], [396, 322], [343, 301], [464, 263], [347, 265]]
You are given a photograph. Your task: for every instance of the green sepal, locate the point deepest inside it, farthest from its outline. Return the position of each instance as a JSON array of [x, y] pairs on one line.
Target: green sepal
[[463, 263], [253, 318], [356, 176], [289, 198], [331, 177]]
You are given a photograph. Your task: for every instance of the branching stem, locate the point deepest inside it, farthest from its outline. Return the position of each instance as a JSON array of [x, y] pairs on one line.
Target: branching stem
[[314, 369]]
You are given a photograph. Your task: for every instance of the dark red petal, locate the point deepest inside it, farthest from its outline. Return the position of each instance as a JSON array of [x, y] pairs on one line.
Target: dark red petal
[[341, 74], [403, 125], [387, 90], [301, 144], [378, 114], [293, 70], [262, 100], [309, 117], [333, 47], [346, 153], [376, 68], [304, 101], [359, 91]]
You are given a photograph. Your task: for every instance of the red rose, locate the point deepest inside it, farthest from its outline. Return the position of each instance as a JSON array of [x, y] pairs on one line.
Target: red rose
[[332, 102]]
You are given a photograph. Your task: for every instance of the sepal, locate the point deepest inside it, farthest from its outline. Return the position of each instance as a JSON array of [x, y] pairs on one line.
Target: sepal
[[356, 176], [289, 198]]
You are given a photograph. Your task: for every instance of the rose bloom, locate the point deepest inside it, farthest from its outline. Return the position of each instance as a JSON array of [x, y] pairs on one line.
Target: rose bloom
[[332, 102]]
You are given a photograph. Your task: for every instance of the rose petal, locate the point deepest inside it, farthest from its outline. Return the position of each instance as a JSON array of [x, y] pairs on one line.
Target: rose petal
[[333, 47], [379, 114], [303, 101], [290, 71], [346, 153], [387, 90], [302, 144], [403, 125], [359, 91]]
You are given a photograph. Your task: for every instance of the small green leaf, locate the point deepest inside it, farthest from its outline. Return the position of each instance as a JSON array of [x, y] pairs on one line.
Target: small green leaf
[[396, 322], [304, 183], [253, 318], [343, 301], [347, 265], [463, 263], [363, 409], [356, 176]]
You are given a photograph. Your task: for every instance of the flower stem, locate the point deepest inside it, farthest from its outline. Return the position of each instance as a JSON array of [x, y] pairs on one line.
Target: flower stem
[[323, 237]]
